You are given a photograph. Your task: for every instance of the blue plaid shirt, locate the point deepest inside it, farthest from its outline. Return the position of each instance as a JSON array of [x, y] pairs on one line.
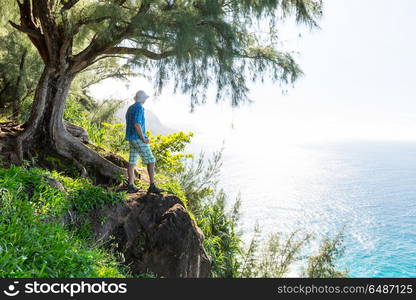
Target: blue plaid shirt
[[135, 114]]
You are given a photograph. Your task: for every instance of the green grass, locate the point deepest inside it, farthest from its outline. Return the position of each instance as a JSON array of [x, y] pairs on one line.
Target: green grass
[[31, 186], [84, 196], [32, 247]]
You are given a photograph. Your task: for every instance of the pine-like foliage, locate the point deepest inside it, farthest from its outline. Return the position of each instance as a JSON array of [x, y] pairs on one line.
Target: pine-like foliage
[[190, 44]]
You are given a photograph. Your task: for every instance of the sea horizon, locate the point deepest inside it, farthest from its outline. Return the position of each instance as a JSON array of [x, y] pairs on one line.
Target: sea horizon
[[366, 189]]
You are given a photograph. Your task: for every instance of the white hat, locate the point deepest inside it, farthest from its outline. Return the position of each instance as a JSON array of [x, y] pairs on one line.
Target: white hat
[[141, 96]]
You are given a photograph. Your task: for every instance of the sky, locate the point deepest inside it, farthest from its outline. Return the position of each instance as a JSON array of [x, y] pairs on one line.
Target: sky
[[358, 82]]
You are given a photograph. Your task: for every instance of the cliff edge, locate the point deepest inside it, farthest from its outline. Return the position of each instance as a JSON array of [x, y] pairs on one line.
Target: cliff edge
[[156, 235]]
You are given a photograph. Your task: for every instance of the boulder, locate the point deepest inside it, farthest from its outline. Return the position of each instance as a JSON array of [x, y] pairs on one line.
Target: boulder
[[156, 235]]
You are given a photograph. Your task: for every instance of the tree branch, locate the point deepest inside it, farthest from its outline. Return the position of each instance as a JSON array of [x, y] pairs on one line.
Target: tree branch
[[50, 30], [19, 4], [30, 28], [96, 20], [86, 22], [139, 52], [106, 56], [99, 46], [31, 32], [112, 75], [68, 4]]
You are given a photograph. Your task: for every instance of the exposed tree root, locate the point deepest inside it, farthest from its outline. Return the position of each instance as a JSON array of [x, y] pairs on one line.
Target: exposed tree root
[[71, 148], [77, 131], [81, 168], [16, 144]]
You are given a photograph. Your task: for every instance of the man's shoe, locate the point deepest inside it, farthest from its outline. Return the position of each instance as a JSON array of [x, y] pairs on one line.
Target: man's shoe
[[131, 189], [154, 189]]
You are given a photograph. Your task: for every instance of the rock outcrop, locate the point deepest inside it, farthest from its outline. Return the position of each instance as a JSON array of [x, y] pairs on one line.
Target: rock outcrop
[[156, 234]]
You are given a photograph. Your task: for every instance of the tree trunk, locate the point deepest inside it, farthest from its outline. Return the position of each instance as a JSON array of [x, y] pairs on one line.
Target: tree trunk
[[45, 130], [18, 99]]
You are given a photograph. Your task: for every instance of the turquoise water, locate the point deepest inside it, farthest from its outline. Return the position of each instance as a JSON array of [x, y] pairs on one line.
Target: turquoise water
[[379, 192], [367, 188]]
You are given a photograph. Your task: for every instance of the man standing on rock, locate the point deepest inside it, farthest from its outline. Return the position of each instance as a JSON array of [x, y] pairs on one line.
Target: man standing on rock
[[139, 143]]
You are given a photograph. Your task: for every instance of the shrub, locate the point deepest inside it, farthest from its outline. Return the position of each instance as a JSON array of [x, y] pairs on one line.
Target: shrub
[[99, 122], [275, 257], [323, 265], [222, 242], [199, 180], [167, 151]]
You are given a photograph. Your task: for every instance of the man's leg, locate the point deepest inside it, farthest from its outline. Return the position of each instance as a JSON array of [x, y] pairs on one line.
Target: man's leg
[[151, 172], [149, 160], [130, 173], [131, 167]]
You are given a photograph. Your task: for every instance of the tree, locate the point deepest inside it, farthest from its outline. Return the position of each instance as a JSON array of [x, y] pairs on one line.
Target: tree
[[192, 43]]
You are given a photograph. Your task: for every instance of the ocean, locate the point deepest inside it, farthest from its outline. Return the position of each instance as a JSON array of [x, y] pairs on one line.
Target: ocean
[[303, 172], [366, 189]]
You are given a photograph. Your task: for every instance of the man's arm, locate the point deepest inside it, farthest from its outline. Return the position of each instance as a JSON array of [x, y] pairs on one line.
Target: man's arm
[[140, 133]]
